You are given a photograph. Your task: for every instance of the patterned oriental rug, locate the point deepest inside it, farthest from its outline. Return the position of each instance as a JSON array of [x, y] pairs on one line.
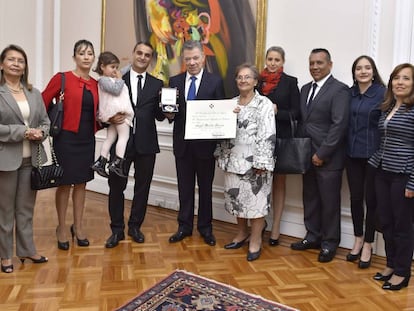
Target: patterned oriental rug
[[183, 291]]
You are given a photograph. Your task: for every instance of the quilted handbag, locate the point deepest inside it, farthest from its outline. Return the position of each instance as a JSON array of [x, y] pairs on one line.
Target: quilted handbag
[[46, 176]]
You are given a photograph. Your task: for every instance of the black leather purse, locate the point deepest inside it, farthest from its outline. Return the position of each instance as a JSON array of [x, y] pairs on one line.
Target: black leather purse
[[55, 111], [293, 154], [46, 176]]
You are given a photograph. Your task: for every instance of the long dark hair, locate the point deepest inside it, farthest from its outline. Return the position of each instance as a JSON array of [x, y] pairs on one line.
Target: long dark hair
[[24, 79], [389, 101], [375, 75]]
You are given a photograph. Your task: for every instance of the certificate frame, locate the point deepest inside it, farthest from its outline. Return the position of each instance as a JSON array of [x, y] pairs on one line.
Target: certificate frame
[[210, 119], [127, 22]]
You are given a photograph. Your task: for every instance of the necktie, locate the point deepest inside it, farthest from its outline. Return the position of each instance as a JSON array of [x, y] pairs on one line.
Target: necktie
[[192, 89], [314, 86], [139, 87]]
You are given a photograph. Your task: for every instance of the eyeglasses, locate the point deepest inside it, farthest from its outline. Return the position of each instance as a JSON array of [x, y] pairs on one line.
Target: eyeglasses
[[241, 78]]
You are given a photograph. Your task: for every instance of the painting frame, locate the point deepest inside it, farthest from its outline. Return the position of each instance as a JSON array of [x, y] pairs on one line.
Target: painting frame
[[260, 31]]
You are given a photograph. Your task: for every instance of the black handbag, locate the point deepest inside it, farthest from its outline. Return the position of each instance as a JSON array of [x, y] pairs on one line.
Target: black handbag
[[46, 176], [293, 154], [55, 111]]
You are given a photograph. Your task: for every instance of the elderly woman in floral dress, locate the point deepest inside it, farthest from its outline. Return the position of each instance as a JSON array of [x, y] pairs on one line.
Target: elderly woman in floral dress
[[247, 162]]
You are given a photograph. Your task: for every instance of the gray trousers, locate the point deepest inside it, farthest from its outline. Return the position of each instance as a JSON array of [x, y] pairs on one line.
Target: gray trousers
[[16, 210]]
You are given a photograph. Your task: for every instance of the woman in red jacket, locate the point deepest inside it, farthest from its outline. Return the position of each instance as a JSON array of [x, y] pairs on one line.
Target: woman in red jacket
[[75, 145]]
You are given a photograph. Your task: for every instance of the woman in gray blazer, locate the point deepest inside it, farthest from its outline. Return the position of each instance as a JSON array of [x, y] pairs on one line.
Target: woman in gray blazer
[[24, 124]]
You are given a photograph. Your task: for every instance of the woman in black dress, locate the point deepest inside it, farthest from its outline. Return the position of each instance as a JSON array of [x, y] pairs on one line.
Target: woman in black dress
[[75, 145], [283, 91]]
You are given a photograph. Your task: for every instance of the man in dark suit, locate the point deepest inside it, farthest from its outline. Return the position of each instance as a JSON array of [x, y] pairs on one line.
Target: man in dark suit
[[324, 111], [194, 158], [144, 91]]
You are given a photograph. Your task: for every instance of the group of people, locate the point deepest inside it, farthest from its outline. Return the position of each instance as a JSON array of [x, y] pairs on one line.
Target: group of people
[[365, 128]]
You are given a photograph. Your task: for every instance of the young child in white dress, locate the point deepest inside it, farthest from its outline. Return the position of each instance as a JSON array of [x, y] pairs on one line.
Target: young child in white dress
[[113, 99]]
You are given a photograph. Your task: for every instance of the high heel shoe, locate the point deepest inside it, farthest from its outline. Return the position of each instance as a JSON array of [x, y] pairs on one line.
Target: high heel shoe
[[83, 242], [404, 283], [365, 264], [236, 245], [254, 255], [42, 259], [380, 277], [64, 246], [6, 269], [353, 257]]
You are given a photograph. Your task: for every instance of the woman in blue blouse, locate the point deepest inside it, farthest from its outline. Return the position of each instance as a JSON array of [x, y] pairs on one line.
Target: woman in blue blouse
[[394, 179], [363, 140]]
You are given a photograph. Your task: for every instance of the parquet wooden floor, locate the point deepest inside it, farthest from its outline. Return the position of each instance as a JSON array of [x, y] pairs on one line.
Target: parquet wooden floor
[[96, 278]]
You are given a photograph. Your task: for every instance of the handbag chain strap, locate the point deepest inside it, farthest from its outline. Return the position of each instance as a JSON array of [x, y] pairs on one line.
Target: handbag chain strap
[[52, 152]]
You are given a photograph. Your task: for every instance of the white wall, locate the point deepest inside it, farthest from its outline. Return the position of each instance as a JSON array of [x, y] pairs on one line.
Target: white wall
[[48, 29]]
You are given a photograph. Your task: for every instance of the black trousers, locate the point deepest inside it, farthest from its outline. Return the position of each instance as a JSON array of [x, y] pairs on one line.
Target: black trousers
[[395, 213], [361, 182], [144, 169], [189, 167]]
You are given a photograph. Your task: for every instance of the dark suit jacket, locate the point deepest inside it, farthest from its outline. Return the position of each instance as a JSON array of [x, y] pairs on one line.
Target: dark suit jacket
[[211, 87], [286, 97], [326, 121], [145, 140]]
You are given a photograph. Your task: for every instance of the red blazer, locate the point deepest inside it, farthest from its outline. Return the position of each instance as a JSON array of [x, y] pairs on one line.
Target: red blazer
[[72, 104]]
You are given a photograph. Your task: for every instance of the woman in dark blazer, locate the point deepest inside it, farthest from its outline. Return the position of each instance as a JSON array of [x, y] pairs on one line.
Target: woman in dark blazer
[[367, 94], [394, 181], [283, 91], [24, 124]]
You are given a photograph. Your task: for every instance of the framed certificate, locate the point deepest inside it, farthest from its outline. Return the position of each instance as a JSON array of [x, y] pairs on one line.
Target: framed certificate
[[210, 119]]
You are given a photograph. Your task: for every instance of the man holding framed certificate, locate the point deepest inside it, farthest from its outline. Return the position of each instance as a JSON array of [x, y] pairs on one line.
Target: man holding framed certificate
[[194, 158]]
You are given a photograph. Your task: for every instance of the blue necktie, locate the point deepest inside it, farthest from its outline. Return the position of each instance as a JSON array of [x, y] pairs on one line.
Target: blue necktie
[[192, 89], [308, 105]]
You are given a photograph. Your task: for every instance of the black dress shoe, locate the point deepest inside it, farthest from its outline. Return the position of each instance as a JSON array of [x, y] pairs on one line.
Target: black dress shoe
[[365, 264], [253, 256], [404, 283], [114, 239], [273, 242], [352, 257], [304, 244], [209, 239], [380, 277], [326, 255], [179, 236], [80, 242], [42, 259], [236, 245], [64, 246], [136, 235]]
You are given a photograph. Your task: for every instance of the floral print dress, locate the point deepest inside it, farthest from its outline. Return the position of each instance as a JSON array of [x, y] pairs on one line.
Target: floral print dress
[[247, 194]]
